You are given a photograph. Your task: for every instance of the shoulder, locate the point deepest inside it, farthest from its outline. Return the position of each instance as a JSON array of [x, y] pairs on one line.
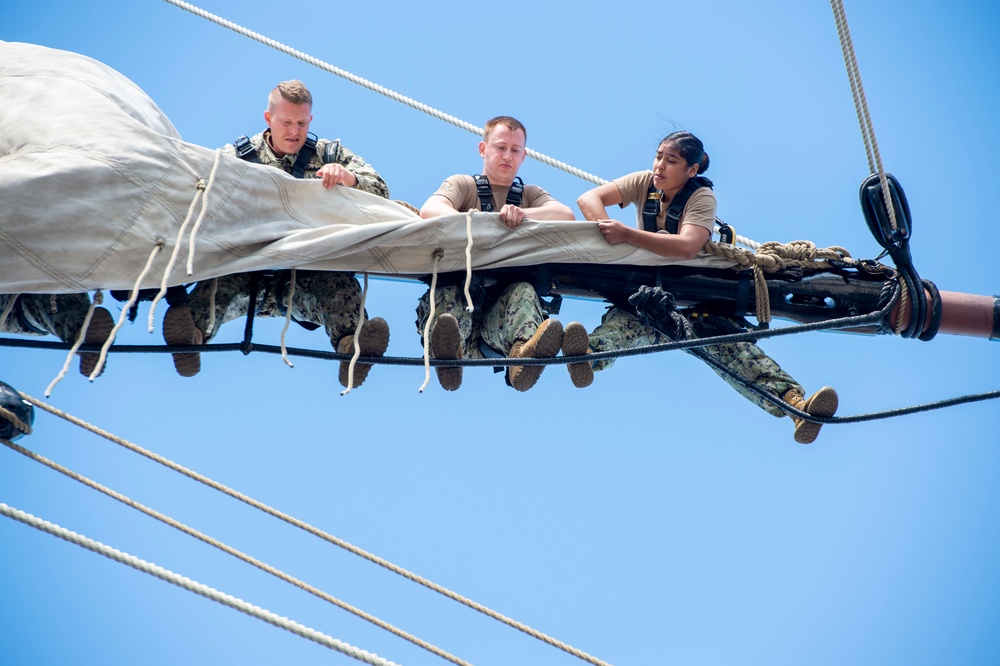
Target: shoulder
[[535, 195], [703, 196], [634, 186], [460, 190], [256, 141]]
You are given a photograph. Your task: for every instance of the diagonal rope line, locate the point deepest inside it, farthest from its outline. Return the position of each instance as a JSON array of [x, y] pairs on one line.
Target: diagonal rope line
[[229, 550], [195, 476], [861, 105], [194, 586], [419, 106]]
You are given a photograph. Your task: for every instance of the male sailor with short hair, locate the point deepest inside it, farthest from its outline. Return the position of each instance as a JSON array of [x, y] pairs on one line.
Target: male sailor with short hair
[[321, 298], [509, 323]]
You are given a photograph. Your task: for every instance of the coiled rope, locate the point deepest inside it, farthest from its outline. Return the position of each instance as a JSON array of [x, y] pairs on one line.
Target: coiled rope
[[215, 485], [194, 586]]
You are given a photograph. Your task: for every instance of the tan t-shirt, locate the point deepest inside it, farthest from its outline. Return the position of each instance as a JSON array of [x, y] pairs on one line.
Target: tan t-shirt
[[460, 191], [700, 208]]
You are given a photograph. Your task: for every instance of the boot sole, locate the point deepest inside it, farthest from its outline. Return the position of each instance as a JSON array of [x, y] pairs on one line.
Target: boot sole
[[823, 403], [98, 332], [545, 343], [373, 341], [446, 344], [179, 329], [575, 343]]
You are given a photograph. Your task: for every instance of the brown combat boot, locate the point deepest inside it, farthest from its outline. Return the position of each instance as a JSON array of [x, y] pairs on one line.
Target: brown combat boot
[[446, 343], [576, 342], [179, 329], [373, 341], [545, 343], [101, 324], [823, 402]]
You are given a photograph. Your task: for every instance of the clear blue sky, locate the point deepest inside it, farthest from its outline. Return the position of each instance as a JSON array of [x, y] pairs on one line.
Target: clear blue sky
[[653, 518]]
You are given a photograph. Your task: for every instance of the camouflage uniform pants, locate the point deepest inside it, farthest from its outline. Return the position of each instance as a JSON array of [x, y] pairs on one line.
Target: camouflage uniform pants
[[323, 298], [513, 317], [622, 330], [60, 315]]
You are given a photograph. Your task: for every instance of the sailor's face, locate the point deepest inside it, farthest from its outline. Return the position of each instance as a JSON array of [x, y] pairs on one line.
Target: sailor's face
[[502, 155], [671, 171], [289, 125]]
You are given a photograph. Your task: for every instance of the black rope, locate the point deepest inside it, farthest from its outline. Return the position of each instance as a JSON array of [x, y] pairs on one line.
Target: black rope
[[890, 297]]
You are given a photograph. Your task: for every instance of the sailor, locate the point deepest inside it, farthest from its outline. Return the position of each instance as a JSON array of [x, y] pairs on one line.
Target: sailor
[[321, 298], [681, 231], [508, 320], [61, 315]]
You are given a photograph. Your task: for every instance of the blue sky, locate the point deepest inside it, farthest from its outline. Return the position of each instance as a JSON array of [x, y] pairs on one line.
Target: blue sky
[[655, 517]]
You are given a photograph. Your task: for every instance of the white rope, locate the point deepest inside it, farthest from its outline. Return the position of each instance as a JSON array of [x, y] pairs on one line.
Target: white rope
[[72, 350], [325, 536], [133, 297], [229, 550], [288, 319], [861, 106], [194, 586], [432, 293], [357, 339], [210, 328], [372, 86], [201, 191], [469, 307], [201, 215]]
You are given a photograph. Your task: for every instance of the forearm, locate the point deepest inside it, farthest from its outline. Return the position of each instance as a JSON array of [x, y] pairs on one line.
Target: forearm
[[550, 211], [666, 245]]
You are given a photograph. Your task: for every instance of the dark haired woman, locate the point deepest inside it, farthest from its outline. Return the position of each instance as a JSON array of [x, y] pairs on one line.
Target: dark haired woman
[[680, 158]]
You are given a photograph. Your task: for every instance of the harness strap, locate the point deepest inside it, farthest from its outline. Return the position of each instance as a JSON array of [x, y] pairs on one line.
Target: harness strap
[[304, 157], [673, 216], [514, 195]]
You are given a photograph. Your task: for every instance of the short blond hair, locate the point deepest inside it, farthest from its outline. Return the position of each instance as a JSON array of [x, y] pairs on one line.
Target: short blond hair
[[292, 91], [513, 124]]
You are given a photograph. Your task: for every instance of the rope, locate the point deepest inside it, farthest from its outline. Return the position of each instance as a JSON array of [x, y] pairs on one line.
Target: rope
[[229, 550], [288, 319], [357, 338], [199, 190], [194, 586], [211, 308], [438, 253], [373, 86], [15, 421], [316, 531], [201, 215], [469, 307], [773, 256], [861, 105], [72, 350], [132, 300]]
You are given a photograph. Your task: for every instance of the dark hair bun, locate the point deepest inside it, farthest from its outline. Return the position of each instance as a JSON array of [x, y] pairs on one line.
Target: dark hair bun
[[704, 164]]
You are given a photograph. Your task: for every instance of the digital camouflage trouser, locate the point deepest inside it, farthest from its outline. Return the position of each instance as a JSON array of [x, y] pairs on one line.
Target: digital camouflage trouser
[[513, 317], [623, 330], [60, 315], [322, 298]]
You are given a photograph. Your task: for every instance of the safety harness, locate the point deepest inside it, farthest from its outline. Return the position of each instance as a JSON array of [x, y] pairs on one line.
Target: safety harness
[[673, 216], [514, 195], [246, 151], [277, 280]]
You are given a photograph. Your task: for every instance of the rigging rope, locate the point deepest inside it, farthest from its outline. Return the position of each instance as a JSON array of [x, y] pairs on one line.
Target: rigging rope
[[194, 586], [230, 550], [195, 476], [372, 86]]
